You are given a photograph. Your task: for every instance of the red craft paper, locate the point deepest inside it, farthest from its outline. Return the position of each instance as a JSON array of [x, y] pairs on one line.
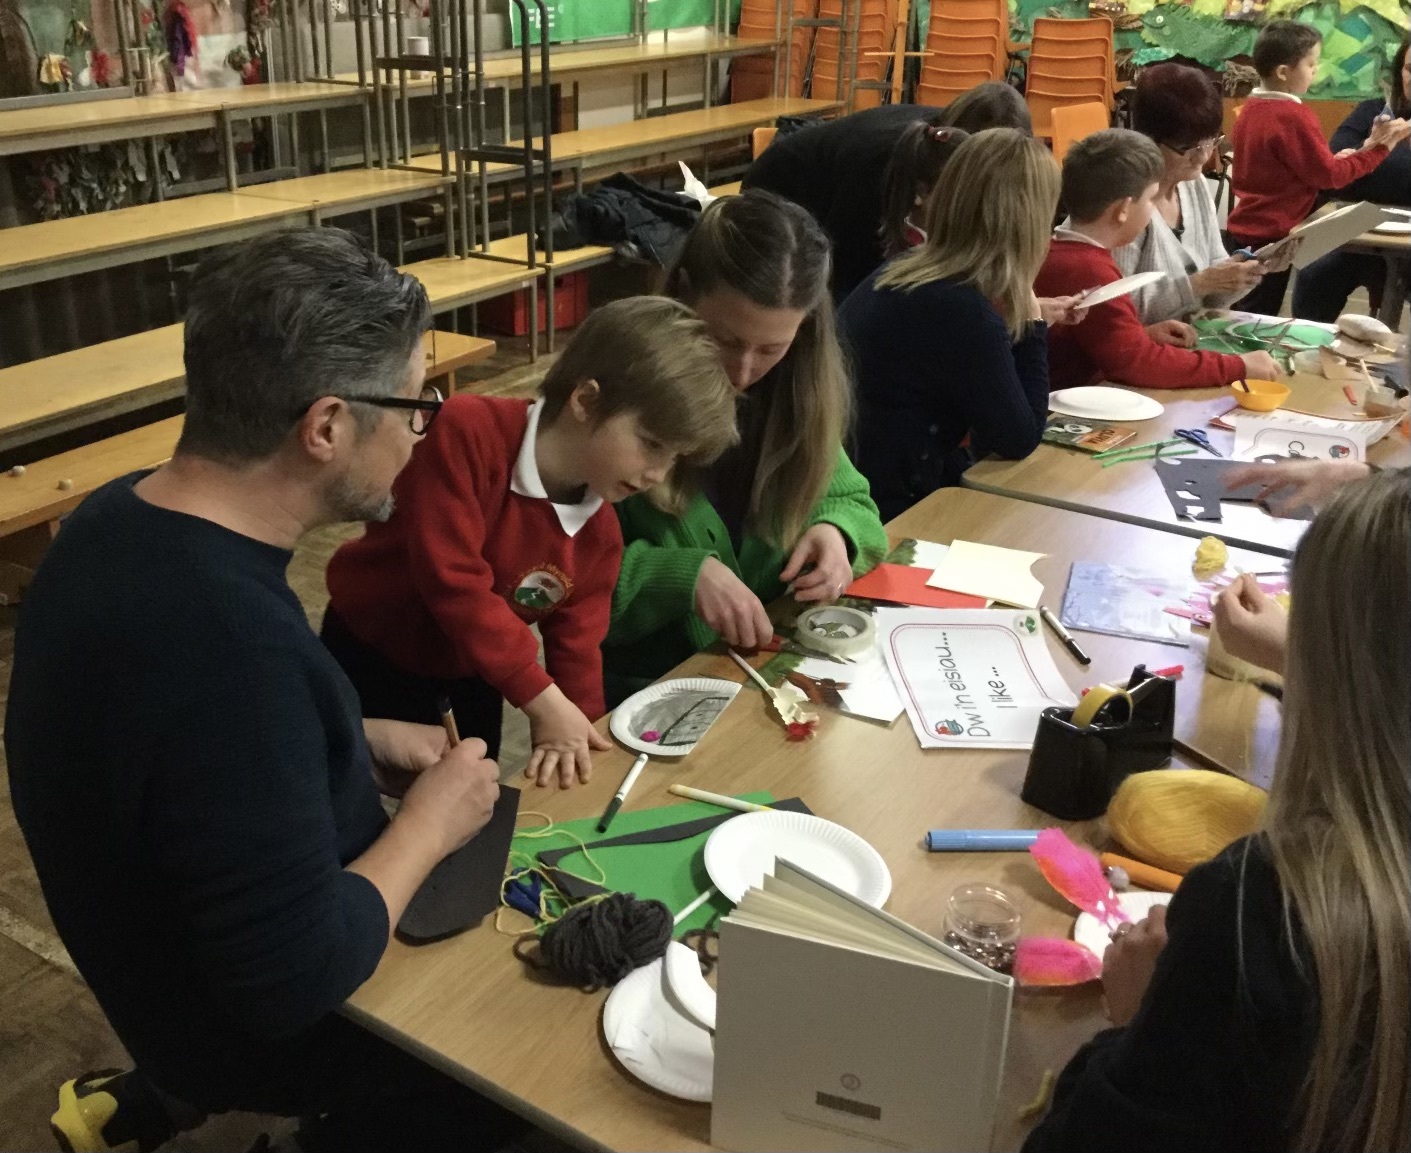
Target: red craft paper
[[905, 584]]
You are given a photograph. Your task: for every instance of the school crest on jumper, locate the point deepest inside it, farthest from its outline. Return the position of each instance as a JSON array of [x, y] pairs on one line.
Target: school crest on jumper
[[541, 590]]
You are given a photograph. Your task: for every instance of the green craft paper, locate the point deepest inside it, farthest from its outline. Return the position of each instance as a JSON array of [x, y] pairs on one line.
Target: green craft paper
[[673, 873]]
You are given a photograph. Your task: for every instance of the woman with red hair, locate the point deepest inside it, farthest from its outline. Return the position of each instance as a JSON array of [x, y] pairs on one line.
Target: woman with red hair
[[1180, 108]]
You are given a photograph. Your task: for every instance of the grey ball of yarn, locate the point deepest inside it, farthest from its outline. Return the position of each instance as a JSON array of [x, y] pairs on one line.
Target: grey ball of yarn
[[598, 943]]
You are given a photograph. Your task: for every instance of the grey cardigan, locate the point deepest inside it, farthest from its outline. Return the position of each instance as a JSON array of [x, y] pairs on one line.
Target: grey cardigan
[[1159, 250]]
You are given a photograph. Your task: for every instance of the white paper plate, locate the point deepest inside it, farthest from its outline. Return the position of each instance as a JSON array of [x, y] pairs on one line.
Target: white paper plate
[[653, 1040], [1100, 402], [1127, 284], [1394, 227], [1089, 931], [742, 851], [650, 711]]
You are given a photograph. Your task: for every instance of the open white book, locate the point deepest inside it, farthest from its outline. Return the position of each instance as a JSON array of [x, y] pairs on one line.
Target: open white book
[[839, 1027]]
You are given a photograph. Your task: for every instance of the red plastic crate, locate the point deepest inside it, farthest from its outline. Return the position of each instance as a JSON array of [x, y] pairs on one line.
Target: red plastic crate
[[509, 315]]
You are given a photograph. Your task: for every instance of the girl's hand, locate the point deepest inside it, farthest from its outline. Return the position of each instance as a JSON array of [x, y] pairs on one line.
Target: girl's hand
[[1129, 962], [1252, 626], [1062, 309], [818, 568], [1176, 333], [728, 606], [1289, 487], [563, 740]]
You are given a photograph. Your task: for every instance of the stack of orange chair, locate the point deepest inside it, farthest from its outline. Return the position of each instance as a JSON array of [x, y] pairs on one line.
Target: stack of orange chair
[[875, 23], [967, 43], [752, 77], [1070, 62]]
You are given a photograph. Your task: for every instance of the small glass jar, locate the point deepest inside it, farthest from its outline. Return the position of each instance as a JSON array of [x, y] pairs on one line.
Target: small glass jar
[[983, 923]]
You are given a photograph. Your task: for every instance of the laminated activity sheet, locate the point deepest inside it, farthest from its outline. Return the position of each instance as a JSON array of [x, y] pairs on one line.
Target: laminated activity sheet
[[973, 678], [1275, 434]]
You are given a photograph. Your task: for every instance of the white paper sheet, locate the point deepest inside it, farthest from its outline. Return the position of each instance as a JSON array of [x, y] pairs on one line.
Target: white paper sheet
[[986, 570], [973, 678], [870, 692], [1280, 433]]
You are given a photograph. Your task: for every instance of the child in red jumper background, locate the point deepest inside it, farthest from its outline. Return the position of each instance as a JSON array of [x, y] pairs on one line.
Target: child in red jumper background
[[1109, 182], [1282, 159], [503, 519]]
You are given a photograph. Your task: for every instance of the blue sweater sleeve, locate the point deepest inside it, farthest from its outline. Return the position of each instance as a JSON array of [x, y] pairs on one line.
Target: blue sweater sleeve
[[1004, 387], [242, 845]]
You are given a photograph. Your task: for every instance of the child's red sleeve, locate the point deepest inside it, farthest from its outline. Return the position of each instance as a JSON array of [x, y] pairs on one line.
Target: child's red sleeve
[[574, 633], [1302, 148], [1116, 341]]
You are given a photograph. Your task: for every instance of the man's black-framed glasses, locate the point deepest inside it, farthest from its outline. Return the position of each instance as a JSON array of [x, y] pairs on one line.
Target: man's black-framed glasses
[[423, 409]]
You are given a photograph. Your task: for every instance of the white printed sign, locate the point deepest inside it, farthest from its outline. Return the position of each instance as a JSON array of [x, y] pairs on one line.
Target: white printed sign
[[973, 678]]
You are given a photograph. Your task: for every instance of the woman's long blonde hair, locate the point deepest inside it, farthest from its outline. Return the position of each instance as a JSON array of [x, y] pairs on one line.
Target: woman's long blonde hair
[[1339, 813], [773, 253], [988, 222]]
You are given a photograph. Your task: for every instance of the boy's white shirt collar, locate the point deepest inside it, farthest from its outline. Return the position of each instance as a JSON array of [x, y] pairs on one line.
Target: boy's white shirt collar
[[525, 479], [1066, 231], [1270, 94]]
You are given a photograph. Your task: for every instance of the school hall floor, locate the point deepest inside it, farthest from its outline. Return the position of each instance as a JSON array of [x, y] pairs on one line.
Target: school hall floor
[[51, 1028]]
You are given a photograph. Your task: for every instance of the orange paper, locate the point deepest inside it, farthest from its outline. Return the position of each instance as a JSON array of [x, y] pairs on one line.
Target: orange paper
[[906, 585]]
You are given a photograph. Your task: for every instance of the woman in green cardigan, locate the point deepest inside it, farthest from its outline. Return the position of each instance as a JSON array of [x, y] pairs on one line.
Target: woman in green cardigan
[[785, 510]]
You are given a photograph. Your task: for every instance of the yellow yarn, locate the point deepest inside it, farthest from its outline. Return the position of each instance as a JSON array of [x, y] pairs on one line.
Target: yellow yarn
[[1211, 555], [552, 901], [1177, 818]]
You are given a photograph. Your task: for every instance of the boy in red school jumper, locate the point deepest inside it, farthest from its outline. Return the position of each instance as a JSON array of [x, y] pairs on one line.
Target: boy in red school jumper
[[1109, 182], [503, 519], [1282, 159], [1281, 155]]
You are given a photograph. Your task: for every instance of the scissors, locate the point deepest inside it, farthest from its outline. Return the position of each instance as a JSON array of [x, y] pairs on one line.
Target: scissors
[[1196, 437]]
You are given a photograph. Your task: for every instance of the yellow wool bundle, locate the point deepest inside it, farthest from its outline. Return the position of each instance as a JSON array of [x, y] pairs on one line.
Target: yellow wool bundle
[[1177, 818]]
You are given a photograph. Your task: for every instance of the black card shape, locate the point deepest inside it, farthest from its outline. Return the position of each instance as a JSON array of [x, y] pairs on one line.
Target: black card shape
[[1201, 478], [465, 887], [577, 889]]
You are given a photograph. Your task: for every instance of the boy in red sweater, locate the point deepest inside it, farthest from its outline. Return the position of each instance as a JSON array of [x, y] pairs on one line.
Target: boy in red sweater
[[1109, 182], [1282, 159], [503, 519]]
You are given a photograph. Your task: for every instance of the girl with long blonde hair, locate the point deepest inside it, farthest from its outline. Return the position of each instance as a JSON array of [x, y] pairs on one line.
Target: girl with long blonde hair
[[784, 510], [948, 341], [1269, 1011]]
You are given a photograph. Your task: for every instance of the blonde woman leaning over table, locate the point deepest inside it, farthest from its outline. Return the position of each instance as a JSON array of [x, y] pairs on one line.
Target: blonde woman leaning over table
[[785, 510], [1267, 1010]]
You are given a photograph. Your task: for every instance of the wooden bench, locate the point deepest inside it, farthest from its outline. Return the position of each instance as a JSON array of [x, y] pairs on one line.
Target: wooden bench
[[32, 253], [34, 498]]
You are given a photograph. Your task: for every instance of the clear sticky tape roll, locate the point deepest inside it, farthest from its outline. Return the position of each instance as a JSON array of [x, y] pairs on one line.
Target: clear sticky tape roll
[[836, 630]]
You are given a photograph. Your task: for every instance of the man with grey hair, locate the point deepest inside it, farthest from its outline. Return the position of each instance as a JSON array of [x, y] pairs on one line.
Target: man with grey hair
[[189, 766]]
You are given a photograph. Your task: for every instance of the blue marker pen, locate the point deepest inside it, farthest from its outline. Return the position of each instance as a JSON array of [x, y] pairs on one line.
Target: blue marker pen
[[980, 840]]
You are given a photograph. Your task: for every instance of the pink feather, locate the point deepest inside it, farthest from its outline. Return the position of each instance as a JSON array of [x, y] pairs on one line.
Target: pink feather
[[1077, 875], [1051, 961]]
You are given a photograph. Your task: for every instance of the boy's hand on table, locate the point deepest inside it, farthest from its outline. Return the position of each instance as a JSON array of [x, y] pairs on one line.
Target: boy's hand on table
[[818, 569], [1176, 333], [1260, 366], [401, 751], [563, 739], [1129, 962], [730, 607], [1252, 625], [1237, 274], [1297, 483]]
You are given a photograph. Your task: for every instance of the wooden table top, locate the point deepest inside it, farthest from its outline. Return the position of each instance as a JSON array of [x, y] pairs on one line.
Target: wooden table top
[[97, 121], [1066, 478], [451, 281], [566, 61], [348, 187], [248, 99], [470, 1008]]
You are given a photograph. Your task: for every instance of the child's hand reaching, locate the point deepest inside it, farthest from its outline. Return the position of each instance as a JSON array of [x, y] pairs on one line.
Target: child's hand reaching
[[1260, 366], [1176, 333], [818, 568], [563, 740], [1387, 133], [1252, 625]]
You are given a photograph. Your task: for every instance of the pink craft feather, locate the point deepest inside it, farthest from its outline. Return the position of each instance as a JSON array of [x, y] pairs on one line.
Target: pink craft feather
[[1051, 961], [1077, 875]]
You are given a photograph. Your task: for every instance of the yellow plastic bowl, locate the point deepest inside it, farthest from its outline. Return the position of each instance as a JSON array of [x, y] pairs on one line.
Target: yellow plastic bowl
[[1262, 395]]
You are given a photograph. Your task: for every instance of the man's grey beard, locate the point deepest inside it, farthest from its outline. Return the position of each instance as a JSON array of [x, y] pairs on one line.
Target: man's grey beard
[[346, 502]]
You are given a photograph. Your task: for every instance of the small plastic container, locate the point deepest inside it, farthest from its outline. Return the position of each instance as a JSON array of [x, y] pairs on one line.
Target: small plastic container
[[983, 923], [1260, 395]]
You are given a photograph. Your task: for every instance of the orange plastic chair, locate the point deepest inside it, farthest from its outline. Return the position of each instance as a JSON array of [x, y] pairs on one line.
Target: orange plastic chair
[[998, 9], [1071, 122], [1042, 104], [760, 139], [1063, 28]]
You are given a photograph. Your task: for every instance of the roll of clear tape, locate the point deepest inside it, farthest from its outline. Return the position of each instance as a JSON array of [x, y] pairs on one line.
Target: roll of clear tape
[[836, 630]]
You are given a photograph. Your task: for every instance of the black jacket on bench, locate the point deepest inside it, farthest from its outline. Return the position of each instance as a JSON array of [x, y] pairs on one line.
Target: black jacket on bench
[[188, 766]]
